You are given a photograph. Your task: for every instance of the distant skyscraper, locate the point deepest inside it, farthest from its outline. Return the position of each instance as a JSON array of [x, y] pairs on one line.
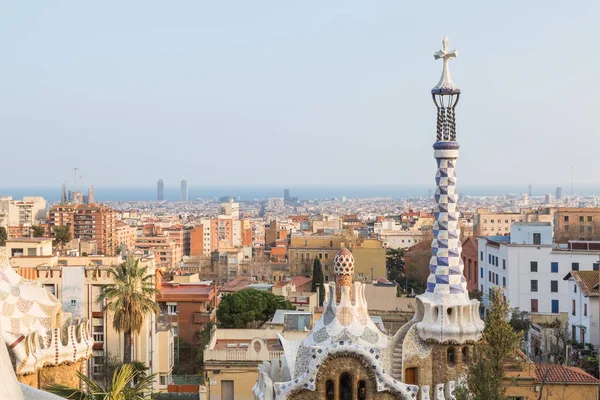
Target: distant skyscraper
[[63, 193], [286, 195], [184, 190], [160, 190], [559, 193], [90, 196]]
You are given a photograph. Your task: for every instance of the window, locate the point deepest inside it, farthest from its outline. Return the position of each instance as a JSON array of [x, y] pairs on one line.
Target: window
[[320, 256], [362, 390], [533, 266], [554, 267], [489, 276], [554, 286], [534, 285], [585, 310], [575, 288], [534, 305], [329, 390], [590, 219], [595, 266], [573, 332], [575, 266], [496, 279], [326, 256], [172, 309], [163, 380], [554, 306], [566, 228], [581, 218], [566, 218], [345, 387], [481, 255], [537, 238], [489, 259], [503, 263], [574, 307], [481, 273], [450, 355], [410, 376], [581, 229], [504, 282]]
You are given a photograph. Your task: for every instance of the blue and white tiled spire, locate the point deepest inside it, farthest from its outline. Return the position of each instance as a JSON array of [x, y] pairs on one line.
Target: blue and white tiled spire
[[445, 314]]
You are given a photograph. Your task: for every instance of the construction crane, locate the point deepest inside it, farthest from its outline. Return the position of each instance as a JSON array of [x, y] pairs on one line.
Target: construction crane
[[75, 169]]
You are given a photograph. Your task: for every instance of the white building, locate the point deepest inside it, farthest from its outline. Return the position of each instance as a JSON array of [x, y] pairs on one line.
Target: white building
[[530, 268], [585, 312], [230, 209]]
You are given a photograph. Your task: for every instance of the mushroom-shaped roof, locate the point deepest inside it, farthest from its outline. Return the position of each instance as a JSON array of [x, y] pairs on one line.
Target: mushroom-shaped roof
[[343, 263]]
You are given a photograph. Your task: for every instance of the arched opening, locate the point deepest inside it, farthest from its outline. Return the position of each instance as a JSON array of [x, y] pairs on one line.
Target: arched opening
[[450, 358], [329, 393], [362, 390], [346, 387], [465, 355], [410, 376]]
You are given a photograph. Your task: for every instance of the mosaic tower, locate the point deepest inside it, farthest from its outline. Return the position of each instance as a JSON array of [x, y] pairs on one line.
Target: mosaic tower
[[449, 314]]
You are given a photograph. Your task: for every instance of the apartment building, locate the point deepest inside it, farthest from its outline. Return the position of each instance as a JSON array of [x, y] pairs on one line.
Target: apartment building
[[531, 268], [78, 281], [488, 223], [191, 303], [29, 211], [91, 222], [125, 236], [369, 255], [168, 254], [576, 223]]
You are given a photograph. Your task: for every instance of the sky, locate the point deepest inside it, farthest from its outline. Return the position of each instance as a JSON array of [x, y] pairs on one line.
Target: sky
[[295, 93]]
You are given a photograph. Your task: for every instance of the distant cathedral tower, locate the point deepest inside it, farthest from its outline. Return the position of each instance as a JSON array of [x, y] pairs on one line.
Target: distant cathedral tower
[[63, 193], [91, 197]]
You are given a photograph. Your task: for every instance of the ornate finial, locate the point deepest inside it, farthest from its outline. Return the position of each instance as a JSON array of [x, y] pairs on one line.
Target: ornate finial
[[343, 267], [445, 97], [445, 85]]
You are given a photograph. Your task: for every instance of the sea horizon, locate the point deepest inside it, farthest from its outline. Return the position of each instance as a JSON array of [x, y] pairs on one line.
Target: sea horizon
[[303, 192]]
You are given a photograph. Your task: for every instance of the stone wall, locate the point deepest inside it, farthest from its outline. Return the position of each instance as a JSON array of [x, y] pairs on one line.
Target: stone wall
[[333, 369]]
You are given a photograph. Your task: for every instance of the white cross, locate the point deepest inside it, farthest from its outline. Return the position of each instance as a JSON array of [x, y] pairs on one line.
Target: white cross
[[445, 53]]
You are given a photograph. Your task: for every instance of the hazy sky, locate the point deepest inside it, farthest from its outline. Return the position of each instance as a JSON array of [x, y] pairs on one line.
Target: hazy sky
[[305, 92]]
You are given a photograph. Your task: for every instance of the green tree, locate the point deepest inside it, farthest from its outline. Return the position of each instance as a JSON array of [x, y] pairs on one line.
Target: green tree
[[38, 231], [62, 234], [249, 307], [3, 236], [130, 299], [395, 266], [318, 280], [520, 321], [127, 383], [496, 349]]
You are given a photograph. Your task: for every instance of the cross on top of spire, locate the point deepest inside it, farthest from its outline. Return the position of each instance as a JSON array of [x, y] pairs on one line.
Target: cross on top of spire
[[445, 85]]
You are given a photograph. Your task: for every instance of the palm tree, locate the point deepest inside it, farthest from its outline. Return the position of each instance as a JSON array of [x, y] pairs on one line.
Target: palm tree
[[123, 386], [130, 298]]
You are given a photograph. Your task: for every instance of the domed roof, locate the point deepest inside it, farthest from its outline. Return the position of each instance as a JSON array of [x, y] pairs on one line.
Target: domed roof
[[343, 263]]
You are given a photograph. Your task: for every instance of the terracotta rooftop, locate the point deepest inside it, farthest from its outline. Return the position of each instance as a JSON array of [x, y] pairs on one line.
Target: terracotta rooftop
[[296, 280], [235, 285], [552, 373], [184, 290], [588, 281]]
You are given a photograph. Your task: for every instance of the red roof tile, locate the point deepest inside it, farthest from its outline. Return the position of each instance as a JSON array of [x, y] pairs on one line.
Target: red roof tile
[[563, 374]]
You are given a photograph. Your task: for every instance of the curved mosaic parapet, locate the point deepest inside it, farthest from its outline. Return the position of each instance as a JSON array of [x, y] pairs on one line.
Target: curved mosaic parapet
[[36, 331]]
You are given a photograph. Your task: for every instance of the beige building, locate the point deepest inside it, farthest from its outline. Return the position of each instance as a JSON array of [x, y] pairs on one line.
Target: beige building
[[77, 282], [32, 247], [488, 223], [232, 357], [576, 223], [125, 236], [168, 253], [369, 255], [29, 211]]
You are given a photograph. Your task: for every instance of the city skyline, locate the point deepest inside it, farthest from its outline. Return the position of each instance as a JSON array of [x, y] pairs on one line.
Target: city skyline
[[334, 74]]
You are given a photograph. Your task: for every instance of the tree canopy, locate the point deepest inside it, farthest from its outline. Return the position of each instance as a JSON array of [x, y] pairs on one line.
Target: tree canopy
[[38, 231], [249, 307], [62, 234]]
